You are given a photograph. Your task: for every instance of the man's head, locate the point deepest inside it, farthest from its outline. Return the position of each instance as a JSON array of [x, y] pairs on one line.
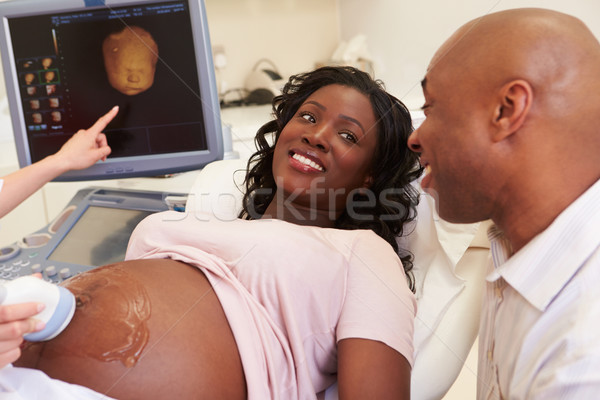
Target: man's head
[[512, 106]]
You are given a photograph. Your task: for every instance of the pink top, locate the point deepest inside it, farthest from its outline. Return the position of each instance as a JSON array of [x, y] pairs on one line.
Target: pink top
[[290, 292]]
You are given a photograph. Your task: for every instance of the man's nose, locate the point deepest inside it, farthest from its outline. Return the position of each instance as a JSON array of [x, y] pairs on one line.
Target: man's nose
[[413, 141]]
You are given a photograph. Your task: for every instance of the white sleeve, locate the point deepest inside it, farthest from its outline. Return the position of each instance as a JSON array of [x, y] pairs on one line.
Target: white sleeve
[[28, 384]]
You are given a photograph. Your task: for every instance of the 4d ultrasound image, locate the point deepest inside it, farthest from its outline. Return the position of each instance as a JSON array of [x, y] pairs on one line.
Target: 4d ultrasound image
[[130, 58]]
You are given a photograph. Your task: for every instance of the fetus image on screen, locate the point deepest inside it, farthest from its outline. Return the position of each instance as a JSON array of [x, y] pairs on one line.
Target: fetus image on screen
[[47, 62], [50, 76], [130, 58], [29, 78]]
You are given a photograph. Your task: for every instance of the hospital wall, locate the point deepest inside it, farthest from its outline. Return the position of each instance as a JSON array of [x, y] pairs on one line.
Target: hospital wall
[[403, 35]]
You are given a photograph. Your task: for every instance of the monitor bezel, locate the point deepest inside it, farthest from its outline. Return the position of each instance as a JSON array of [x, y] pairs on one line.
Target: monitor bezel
[[118, 167]]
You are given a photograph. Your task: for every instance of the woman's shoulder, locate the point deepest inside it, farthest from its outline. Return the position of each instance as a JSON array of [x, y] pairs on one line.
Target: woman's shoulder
[[363, 243], [362, 238]]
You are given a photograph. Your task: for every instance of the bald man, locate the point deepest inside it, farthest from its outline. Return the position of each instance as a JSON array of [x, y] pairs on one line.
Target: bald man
[[512, 133]]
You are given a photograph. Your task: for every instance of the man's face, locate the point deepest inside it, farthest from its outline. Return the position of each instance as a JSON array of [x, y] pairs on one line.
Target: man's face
[[453, 144]]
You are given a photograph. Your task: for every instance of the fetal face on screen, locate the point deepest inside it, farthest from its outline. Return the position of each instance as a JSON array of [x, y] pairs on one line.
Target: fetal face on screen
[[29, 78], [49, 76], [130, 60], [46, 62]]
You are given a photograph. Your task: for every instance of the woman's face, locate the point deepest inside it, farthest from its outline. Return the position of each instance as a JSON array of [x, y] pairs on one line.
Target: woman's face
[[326, 150]]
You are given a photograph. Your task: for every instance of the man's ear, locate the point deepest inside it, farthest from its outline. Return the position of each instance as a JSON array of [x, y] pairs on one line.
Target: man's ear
[[514, 103]]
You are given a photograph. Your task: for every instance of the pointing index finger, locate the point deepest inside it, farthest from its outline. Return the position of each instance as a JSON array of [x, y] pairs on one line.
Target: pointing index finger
[[104, 120]]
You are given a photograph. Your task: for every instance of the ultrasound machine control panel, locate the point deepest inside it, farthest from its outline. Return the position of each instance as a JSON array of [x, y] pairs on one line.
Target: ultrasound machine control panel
[[92, 230]]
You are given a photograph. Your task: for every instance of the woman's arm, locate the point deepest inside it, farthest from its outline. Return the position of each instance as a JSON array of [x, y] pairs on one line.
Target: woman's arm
[[81, 151], [368, 369]]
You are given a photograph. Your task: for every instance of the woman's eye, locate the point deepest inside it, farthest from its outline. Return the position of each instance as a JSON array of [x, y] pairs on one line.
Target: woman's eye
[[348, 136], [309, 117]]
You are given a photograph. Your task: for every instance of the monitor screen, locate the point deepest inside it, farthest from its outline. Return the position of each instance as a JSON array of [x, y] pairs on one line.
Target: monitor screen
[[99, 237], [67, 62]]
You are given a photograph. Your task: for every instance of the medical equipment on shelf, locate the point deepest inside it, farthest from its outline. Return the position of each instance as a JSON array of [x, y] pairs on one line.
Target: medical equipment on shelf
[[91, 231], [59, 301]]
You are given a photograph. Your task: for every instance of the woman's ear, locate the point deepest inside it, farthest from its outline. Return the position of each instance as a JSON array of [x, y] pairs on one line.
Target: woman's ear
[[368, 182], [514, 103]]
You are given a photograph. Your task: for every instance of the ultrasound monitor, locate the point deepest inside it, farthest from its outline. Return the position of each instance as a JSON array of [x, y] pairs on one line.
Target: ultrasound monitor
[[67, 62]]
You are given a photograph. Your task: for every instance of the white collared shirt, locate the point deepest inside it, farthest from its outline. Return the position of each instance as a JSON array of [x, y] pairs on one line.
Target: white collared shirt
[[539, 333]]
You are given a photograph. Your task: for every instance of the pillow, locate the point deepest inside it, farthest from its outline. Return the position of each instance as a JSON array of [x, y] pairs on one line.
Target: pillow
[[219, 189]]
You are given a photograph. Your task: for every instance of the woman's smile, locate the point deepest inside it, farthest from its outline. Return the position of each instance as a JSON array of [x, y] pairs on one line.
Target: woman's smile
[[306, 161]]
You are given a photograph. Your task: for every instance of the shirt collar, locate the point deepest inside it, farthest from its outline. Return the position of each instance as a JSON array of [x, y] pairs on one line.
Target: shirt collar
[[541, 269]]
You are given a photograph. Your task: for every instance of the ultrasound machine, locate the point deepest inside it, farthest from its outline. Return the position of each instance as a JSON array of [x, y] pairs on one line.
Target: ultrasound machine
[[171, 126]]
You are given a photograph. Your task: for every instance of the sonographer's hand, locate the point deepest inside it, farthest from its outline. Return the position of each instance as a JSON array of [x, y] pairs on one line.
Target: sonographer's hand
[[87, 146], [82, 150], [15, 321]]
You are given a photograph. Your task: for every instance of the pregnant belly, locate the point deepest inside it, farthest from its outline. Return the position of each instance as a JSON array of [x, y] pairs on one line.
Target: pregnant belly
[[150, 329]]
